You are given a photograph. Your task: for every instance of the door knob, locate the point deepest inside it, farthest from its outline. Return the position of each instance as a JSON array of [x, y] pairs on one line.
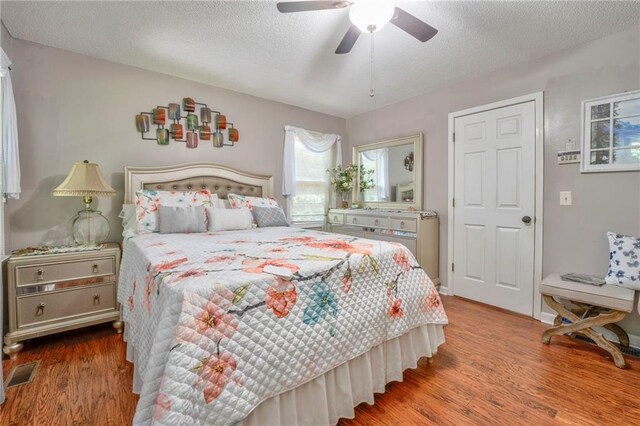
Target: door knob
[[526, 219]]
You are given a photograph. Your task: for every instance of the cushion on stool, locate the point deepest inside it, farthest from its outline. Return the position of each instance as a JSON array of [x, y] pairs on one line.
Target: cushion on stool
[[606, 296]]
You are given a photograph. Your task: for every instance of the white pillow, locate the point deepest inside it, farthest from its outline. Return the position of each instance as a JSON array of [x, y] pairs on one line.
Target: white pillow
[[229, 219], [129, 221], [217, 202]]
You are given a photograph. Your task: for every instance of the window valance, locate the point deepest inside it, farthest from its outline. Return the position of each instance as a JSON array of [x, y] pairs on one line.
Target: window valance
[[315, 142]]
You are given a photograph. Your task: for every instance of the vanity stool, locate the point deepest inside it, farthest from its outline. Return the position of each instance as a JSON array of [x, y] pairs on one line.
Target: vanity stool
[[594, 306]]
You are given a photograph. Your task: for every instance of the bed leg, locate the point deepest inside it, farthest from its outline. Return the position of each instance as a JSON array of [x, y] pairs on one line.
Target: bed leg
[[430, 360], [119, 326]]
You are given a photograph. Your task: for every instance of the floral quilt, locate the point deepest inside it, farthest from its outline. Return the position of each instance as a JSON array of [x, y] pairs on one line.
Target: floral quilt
[[216, 334]]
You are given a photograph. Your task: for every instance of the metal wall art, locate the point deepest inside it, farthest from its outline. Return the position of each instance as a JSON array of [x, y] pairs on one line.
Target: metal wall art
[[196, 129]]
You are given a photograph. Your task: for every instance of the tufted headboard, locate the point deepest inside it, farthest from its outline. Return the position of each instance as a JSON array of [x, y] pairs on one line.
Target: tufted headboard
[[218, 179]]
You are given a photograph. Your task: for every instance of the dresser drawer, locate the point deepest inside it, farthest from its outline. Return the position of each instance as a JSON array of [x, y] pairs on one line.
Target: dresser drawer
[[354, 231], [409, 243], [42, 308], [51, 272], [336, 218], [367, 221], [404, 224]]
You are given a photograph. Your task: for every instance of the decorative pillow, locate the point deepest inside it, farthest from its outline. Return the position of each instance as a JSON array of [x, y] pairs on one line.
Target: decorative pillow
[[148, 201], [217, 202], [229, 219], [238, 201], [129, 222], [624, 261], [182, 220], [269, 216]]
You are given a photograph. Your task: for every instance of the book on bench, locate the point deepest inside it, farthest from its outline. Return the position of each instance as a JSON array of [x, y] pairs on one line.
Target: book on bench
[[582, 278]]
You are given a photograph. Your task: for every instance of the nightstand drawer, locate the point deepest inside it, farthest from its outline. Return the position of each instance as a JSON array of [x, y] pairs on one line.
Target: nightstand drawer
[[404, 224], [41, 308], [45, 273]]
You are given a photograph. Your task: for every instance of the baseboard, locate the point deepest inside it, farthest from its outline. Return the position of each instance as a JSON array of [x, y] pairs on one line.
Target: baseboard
[[634, 340], [444, 290], [547, 317]]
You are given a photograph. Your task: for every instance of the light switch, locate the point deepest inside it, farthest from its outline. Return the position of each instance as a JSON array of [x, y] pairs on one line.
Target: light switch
[[565, 198]]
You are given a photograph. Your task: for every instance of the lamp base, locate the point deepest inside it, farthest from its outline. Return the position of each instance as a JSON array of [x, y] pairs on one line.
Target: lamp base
[[90, 227]]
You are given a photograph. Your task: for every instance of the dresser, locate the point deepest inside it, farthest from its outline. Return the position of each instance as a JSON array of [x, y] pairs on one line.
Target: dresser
[[418, 231], [51, 293]]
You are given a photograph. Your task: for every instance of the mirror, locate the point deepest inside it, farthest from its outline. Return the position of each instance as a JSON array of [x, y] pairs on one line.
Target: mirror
[[396, 172]]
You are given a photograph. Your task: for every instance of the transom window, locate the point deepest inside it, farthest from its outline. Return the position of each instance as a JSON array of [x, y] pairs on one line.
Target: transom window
[[611, 133]]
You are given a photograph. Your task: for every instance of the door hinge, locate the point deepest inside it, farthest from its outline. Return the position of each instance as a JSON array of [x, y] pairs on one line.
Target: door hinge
[[454, 137], [452, 267], [453, 202]]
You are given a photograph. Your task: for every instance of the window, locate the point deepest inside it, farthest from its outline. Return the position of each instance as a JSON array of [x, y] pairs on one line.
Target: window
[[309, 204], [611, 133]]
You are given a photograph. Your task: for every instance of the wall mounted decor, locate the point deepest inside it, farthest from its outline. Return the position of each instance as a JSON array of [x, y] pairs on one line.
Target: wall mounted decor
[[206, 126]]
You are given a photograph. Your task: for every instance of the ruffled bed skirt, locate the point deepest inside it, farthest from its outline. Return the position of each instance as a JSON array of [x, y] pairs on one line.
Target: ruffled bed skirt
[[327, 398]]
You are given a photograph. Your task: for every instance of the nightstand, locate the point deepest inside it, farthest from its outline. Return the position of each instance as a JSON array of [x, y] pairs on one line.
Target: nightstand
[[51, 293]]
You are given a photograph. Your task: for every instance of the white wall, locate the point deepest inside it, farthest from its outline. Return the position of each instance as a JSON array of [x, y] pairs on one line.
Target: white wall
[[72, 107], [574, 237]]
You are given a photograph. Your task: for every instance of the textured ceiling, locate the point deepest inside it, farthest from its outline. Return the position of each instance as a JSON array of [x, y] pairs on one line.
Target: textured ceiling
[[250, 47]]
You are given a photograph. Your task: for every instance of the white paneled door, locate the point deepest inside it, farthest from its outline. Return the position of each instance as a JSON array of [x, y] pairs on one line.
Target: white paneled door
[[494, 205]]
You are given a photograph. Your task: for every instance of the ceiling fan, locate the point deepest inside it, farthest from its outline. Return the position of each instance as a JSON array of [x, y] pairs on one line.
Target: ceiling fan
[[366, 16]]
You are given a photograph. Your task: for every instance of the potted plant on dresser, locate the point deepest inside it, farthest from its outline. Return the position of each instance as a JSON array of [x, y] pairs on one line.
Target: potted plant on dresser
[[343, 179]]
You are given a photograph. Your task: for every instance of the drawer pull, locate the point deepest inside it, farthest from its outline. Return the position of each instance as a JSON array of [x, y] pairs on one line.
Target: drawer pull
[[94, 268], [354, 220], [40, 275], [376, 221], [96, 299], [40, 310], [402, 224]]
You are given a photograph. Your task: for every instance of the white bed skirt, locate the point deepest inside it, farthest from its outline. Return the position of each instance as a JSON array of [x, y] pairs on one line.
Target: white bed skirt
[[327, 398]]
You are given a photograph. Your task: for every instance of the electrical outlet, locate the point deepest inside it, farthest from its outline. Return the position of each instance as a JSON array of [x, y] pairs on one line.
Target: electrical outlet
[[565, 198]]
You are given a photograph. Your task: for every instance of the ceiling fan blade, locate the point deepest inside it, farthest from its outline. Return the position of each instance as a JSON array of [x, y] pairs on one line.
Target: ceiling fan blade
[[348, 40], [412, 25], [306, 6]]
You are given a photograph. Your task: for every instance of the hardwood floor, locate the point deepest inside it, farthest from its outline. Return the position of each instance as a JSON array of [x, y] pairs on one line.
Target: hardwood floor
[[493, 369]]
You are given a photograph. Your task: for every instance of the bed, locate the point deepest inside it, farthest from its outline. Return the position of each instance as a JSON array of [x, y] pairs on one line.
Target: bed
[[215, 339]]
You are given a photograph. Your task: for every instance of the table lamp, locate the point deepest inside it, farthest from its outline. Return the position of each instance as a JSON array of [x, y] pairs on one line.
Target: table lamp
[[86, 180]]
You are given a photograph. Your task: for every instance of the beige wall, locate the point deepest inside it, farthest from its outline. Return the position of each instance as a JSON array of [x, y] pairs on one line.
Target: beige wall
[[72, 107], [5, 40], [574, 237]]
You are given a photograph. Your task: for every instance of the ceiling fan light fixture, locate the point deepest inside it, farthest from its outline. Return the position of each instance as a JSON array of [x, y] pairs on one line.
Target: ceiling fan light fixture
[[371, 15]]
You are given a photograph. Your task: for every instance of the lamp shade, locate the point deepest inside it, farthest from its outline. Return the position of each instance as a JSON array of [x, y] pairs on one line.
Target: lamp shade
[[84, 179]]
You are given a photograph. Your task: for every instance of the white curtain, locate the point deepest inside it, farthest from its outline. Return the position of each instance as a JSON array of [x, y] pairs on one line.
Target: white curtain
[[381, 159], [10, 156], [315, 142]]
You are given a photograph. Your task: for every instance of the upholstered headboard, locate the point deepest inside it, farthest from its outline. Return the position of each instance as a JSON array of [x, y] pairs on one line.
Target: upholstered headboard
[[218, 179]]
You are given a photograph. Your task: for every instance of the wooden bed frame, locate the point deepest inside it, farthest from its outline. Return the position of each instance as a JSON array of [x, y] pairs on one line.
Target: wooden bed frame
[[218, 179]]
